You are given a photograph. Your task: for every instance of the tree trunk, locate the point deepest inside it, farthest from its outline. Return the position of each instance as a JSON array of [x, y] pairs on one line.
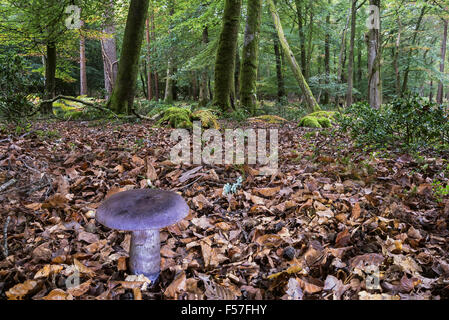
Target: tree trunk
[[351, 54], [250, 57], [83, 74], [443, 58], [225, 60], [302, 38], [396, 58], [327, 55], [374, 83], [204, 82], [168, 97], [279, 76], [109, 51], [310, 46], [50, 78], [311, 103], [148, 57], [343, 48], [156, 75], [407, 70], [122, 98]]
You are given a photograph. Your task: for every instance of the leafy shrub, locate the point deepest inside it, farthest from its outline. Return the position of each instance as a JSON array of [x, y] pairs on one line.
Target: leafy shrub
[[14, 83], [409, 123]]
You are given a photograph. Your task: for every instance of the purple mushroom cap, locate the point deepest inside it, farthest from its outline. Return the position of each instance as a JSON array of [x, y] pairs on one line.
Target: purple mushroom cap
[[144, 209]]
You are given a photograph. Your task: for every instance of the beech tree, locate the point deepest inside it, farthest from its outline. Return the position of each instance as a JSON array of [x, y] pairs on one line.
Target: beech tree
[[122, 98], [250, 56], [226, 53]]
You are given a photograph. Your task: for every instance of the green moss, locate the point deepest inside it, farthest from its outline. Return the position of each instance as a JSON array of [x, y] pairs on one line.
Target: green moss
[[207, 118], [176, 118], [324, 114], [319, 119]]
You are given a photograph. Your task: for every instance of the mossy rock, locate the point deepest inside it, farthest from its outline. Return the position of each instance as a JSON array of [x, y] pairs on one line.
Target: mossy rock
[[207, 117], [319, 119], [268, 119], [176, 118]]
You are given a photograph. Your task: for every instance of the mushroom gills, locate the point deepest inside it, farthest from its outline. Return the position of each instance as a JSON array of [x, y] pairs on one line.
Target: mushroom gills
[[144, 255]]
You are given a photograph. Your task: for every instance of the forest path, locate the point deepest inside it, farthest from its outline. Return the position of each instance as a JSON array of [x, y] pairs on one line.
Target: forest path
[[329, 212]]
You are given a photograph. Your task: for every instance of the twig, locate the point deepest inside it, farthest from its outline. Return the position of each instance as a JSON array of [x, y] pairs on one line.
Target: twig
[[5, 237], [7, 184]]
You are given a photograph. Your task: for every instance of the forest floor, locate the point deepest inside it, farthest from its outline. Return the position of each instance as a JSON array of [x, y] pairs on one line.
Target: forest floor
[[308, 232]]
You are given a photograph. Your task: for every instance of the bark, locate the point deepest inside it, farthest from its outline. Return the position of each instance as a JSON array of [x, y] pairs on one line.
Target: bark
[[310, 46], [396, 58], [122, 99], [250, 57], [327, 55], [407, 70], [343, 47], [302, 38], [443, 58], [83, 74], [156, 75], [204, 81], [169, 88], [374, 82], [50, 78], [109, 51], [279, 76], [351, 54], [311, 103], [168, 97], [148, 61], [225, 59]]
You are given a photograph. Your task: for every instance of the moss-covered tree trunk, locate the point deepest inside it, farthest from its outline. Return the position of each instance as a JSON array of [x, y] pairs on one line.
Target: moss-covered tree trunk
[[122, 98], [250, 57], [50, 78], [312, 105], [225, 60]]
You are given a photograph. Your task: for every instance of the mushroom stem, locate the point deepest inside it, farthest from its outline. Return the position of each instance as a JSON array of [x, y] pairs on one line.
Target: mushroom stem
[[145, 254]]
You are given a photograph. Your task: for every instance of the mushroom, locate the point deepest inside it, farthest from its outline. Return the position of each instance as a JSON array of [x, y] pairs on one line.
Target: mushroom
[[143, 212]]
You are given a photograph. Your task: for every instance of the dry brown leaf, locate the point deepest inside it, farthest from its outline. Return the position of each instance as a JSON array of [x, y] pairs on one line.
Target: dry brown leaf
[[80, 290], [19, 291], [267, 192], [48, 270], [177, 286], [58, 294], [83, 269]]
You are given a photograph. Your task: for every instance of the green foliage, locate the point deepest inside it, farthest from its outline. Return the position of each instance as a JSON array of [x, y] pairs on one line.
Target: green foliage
[[439, 190], [409, 123], [14, 83]]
